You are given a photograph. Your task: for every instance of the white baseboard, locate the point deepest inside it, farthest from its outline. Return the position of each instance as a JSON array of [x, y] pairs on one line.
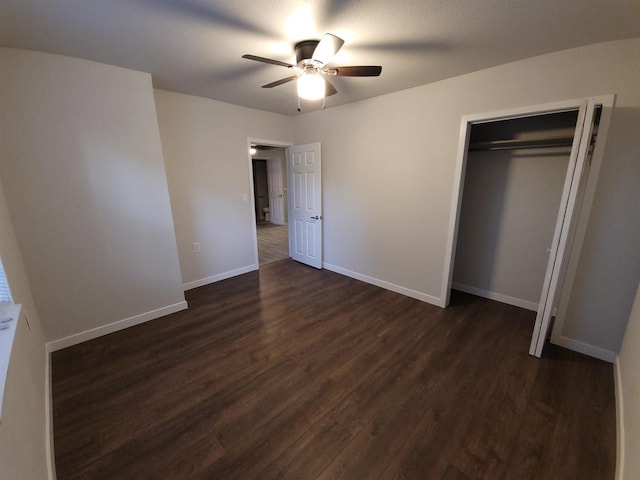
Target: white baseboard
[[218, 277], [48, 414], [386, 285], [581, 347], [115, 326], [516, 302], [619, 421]]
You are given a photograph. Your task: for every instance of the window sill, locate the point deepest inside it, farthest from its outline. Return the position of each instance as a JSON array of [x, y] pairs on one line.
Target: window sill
[[9, 315]]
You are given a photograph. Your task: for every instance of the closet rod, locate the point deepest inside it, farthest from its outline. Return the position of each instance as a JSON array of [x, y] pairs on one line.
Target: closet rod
[[517, 144]]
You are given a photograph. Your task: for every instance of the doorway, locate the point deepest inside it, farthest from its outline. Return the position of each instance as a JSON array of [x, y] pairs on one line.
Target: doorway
[[299, 201], [571, 125], [270, 202]]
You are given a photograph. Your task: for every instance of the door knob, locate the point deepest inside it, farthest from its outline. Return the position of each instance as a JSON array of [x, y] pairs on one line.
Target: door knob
[[317, 217]]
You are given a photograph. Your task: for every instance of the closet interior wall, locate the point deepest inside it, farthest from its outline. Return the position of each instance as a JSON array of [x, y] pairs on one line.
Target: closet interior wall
[[510, 204]]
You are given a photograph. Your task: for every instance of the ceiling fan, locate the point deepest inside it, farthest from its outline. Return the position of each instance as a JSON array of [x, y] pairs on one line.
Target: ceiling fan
[[312, 69]]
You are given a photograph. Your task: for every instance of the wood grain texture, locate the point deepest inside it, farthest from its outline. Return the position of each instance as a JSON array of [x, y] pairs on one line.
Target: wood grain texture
[[296, 373], [273, 242]]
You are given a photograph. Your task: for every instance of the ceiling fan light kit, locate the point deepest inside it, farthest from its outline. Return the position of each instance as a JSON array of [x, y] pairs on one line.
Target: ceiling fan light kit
[[311, 86], [312, 68]]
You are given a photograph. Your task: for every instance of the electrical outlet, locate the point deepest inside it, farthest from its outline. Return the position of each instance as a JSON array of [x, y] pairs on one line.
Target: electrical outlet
[[196, 247]]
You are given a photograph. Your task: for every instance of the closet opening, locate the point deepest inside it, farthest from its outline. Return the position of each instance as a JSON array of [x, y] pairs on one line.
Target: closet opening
[[525, 185], [511, 195]]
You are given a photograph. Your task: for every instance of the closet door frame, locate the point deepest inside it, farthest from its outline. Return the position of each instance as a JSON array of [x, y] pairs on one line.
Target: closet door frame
[[573, 248], [560, 245]]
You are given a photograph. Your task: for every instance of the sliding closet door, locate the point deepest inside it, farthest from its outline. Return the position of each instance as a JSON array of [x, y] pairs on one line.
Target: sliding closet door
[[567, 214]]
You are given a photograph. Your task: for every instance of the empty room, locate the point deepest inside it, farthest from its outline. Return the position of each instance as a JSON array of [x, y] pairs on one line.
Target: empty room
[[319, 239]]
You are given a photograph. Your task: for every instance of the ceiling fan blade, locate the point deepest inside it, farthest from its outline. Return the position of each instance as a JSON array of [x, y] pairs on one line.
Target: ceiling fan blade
[[280, 82], [268, 60], [358, 71], [327, 48], [329, 89]]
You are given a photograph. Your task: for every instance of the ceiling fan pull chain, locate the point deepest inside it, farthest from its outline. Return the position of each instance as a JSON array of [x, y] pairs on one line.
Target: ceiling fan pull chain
[[299, 107], [324, 106]]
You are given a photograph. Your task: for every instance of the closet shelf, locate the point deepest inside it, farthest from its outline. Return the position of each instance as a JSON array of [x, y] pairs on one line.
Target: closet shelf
[[522, 144]]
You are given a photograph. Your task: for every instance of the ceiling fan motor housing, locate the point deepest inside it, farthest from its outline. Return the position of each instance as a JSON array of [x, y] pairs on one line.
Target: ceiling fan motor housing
[[305, 49], [312, 58]]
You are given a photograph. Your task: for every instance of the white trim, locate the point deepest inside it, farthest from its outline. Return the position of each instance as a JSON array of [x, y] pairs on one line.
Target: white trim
[[220, 276], [527, 111], [456, 206], [269, 143], [617, 379], [12, 312], [114, 326], [608, 103], [459, 173], [386, 285], [499, 297], [587, 349], [48, 413], [561, 244], [252, 207]]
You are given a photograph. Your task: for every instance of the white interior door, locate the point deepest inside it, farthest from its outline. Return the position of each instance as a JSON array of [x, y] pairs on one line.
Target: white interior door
[[305, 204], [566, 216], [276, 194]]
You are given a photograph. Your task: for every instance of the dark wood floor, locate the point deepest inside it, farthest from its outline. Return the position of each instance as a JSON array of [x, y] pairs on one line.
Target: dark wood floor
[[295, 373], [273, 242]]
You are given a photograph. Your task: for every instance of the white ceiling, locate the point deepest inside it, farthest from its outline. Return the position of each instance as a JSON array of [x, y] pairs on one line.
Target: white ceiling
[[195, 46]]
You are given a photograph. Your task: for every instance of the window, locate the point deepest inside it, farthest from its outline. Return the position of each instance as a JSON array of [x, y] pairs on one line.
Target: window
[[5, 292], [9, 314]]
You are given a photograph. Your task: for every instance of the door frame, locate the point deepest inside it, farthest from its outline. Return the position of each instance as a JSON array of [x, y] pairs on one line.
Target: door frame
[[251, 196], [574, 249]]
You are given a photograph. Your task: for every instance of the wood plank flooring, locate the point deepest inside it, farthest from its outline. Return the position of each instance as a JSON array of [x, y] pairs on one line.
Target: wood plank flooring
[[296, 373], [273, 242]]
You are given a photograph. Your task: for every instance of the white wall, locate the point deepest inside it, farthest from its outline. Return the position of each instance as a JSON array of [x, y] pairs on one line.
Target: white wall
[[23, 430], [629, 389], [509, 210], [207, 162], [86, 189], [388, 173]]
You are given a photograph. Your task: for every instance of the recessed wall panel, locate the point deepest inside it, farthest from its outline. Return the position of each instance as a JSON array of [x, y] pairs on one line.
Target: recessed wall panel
[[309, 159], [297, 191], [311, 240], [311, 192], [298, 237]]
